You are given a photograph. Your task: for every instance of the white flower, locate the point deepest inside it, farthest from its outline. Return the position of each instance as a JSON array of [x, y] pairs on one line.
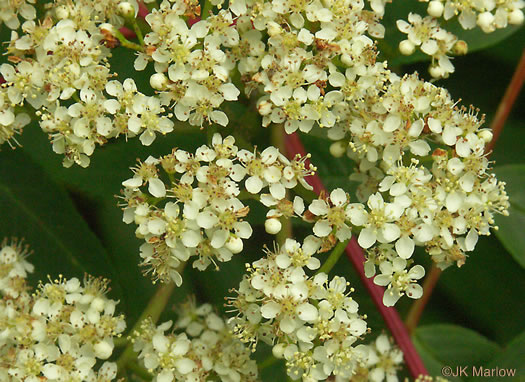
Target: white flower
[[399, 281]]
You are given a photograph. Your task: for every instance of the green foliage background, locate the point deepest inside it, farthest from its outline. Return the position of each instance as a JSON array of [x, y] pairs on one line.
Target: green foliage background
[[476, 314]]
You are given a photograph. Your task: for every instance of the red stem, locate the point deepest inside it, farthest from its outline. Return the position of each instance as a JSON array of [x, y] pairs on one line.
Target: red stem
[[507, 102], [356, 256]]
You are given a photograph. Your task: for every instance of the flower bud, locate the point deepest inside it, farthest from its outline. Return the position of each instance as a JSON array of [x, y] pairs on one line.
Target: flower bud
[[338, 149], [234, 244], [516, 17], [406, 47], [278, 351], [486, 135], [61, 12], [126, 10], [436, 71], [460, 48], [435, 8], [486, 21], [272, 226], [158, 81]]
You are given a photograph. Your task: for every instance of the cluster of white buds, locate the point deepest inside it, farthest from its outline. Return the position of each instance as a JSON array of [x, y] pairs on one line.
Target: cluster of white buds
[[311, 322], [200, 347], [487, 14], [59, 333], [433, 40], [439, 198], [192, 204]]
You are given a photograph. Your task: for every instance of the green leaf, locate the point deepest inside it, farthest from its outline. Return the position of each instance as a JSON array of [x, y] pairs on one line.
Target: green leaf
[[33, 207], [475, 294], [510, 231], [476, 38], [510, 358], [453, 346]]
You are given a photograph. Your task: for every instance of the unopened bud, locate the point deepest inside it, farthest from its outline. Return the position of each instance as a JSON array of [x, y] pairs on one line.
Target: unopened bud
[[278, 351], [338, 149], [234, 244], [435, 8], [486, 22], [406, 47], [436, 71], [158, 81], [516, 17], [61, 12], [272, 226], [486, 135], [460, 48], [127, 10]]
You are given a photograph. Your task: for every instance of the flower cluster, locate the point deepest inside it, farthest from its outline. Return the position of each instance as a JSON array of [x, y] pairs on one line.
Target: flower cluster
[[301, 85], [441, 198], [486, 14], [61, 332], [383, 362], [200, 346], [311, 322], [56, 61], [394, 274], [192, 205], [433, 40], [195, 59]]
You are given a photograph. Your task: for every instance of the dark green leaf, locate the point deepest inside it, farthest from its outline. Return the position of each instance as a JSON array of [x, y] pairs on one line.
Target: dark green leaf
[[453, 346], [476, 296], [510, 231], [33, 207], [511, 358]]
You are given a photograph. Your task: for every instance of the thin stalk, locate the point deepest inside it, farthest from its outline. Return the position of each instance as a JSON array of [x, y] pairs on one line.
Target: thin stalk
[[417, 308], [210, 132], [120, 342], [334, 257], [277, 138], [125, 42], [355, 254], [153, 310], [507, 102], [139, 371], [206, 10], [138, 31]]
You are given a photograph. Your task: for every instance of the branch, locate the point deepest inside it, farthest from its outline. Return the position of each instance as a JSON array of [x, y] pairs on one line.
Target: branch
[[417, 308], [355, 254], [506, 104]]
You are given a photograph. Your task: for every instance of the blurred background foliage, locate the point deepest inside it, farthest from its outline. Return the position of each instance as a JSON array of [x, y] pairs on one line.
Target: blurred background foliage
[[476, 314]]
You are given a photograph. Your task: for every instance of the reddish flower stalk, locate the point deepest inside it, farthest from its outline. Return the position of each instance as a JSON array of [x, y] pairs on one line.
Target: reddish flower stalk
[[143, 11], [128, 33], [507, 102], [355, 254]]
